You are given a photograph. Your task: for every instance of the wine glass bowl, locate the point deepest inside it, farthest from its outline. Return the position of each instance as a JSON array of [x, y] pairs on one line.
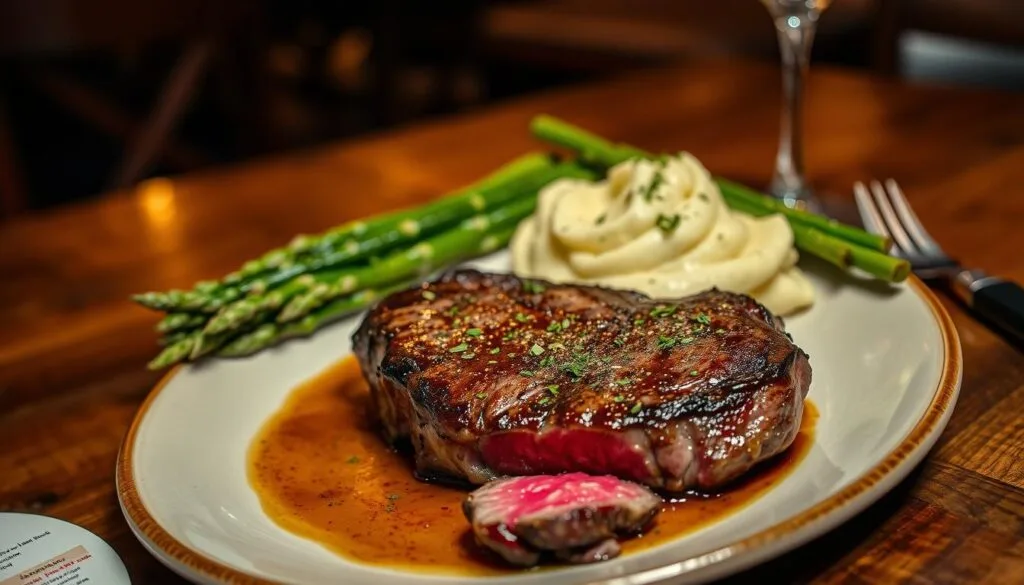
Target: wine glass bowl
[[795, 22]]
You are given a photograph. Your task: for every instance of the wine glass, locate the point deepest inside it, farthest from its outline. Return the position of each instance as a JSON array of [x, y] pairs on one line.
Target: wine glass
[[795, 22]]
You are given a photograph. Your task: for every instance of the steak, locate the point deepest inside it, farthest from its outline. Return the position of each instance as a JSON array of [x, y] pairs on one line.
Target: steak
[[574, 516], [490, 375]]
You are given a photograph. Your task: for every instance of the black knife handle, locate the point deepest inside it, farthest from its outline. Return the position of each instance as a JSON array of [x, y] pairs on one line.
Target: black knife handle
[[1002, 303]]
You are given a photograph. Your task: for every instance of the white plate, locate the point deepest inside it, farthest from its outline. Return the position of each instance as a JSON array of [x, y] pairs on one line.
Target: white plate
[[887, 369]]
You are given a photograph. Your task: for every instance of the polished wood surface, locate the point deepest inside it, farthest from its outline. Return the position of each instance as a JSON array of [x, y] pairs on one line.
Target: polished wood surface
[[73, 349]]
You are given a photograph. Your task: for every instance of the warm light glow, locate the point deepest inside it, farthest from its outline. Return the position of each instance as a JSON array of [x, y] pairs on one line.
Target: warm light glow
[[156, 197]]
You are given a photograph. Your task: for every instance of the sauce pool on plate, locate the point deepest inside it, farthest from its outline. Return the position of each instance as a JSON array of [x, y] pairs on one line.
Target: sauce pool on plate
[[321, 471]]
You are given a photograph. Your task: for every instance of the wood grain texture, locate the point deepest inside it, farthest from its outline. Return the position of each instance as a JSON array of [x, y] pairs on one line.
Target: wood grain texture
[[73, 349]]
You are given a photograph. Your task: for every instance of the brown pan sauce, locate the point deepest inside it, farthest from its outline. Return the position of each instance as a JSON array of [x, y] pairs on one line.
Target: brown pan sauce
[[321, 471]]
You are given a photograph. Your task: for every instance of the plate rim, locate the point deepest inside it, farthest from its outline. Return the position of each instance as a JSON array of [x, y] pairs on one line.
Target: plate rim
[[776, 539]]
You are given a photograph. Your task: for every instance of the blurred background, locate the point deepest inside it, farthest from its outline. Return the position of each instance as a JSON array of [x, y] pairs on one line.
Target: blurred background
[[97, 95]]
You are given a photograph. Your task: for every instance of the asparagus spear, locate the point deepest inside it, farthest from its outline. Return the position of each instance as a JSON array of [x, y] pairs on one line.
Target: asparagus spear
[[180, 322], [359, 240], [811, 237], [272, 333], [478, 234]]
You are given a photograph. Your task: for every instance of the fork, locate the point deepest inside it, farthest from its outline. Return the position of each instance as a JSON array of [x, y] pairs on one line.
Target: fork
[[885, 211]]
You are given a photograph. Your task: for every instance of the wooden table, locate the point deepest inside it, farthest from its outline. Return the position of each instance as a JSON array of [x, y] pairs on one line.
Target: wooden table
[[73, 349]]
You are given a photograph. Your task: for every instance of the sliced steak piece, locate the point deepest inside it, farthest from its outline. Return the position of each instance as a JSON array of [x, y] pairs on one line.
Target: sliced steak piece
[[574, 516], [490, 375]]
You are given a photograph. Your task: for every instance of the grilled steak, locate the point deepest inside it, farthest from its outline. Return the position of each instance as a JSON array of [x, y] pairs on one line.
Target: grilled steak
[[491, 375], [574, 516]]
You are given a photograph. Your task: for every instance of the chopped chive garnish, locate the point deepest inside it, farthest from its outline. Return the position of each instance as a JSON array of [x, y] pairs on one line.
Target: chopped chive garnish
[[547, 361], [544, 401], [526, 373], [481, 395], [636, 408], [618, 398], [495, 351], [694, 373], [639, 322], [451, 312], [702, 318], [577, 366], [429, 295], [662, 311], [510, 335], [522, 318], [668, 223], [685, 340], [565, 323], [554, 327], [533, 287], [652, 187], [474, 332], [556, 345], [468, 355], [459, 347], [619, 341], [492, 361], [553, 389], [536, 349], [719, 331], [623, 382], [666, 342]]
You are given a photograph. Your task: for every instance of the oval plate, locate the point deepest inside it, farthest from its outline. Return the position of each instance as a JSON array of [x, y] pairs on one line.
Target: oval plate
[[887, 369]]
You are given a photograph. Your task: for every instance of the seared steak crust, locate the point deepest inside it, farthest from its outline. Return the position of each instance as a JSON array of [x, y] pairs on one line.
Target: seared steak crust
[[492, 375]]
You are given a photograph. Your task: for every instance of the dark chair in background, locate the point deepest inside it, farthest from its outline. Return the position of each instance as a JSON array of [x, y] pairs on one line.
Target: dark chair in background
[[211, 39]]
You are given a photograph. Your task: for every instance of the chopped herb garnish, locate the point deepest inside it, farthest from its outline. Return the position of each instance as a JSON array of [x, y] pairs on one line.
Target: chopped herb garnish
[[474, 332], [544, 401], [352, 459], [522, 318], [606, 359], [685, 340], [553, 389], [719, 331], [651, 187], [495, 351], [459, 347], [510, 335], [636, 408], [492, 361], [619, 341], [623, 382], [556, 345], [694, 373], [554, 327], [468, 355], [666, 342], [662, 311], [600, 219], [457, 321], [536, 349], [618, 398], [668, 223], [452, 311], [639, 322], [702, 318], [577, 366], [526, 373], [429, 295], [533, 287], [481, 395], [547, 361], [565, 323]]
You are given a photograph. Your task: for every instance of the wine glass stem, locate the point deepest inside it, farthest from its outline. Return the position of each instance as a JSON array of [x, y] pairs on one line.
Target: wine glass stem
[[796, 35]]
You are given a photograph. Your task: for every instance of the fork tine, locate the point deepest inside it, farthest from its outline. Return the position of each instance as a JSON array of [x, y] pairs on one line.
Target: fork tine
[[899, 235], [909, 220], [868, 211]]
